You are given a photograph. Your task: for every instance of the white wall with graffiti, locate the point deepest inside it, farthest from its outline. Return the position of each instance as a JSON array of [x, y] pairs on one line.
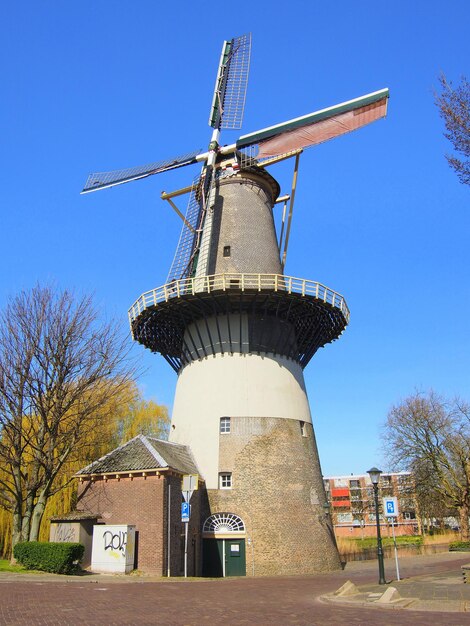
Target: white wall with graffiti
[[113, 548], [75, 531]]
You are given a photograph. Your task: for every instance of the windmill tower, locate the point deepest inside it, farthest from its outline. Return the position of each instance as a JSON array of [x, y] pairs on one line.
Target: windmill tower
[[239, 333]]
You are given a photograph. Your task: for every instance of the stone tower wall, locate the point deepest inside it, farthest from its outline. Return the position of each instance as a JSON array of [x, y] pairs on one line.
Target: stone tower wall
[[278, 492], [243, 221]]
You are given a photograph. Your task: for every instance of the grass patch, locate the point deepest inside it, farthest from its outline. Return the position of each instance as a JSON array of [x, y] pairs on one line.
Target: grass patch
[[6, 566], [403, 540], [357, 545], [460, 546]]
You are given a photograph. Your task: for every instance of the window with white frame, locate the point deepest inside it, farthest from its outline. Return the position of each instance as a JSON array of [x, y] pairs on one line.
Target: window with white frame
[[224, 425], [303, 429], [225, 480]]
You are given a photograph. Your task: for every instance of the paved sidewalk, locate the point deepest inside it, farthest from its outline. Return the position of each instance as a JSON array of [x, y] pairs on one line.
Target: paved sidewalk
[[442, 591], [103, 600]]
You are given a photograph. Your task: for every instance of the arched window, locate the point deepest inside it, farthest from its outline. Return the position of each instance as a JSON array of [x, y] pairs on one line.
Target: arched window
[[224, 523]]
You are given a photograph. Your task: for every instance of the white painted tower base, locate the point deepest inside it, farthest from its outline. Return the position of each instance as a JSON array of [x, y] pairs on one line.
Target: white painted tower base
[[226, 385]]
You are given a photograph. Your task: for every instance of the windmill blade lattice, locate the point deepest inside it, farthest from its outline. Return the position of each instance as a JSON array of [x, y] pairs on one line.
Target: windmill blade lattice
[[103, 180], [188, 241], [228, 103], [237, 81]]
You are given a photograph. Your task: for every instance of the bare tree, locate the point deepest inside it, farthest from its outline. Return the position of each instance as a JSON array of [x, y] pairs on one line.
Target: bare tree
[[59, 367], [454, 108], [430, 436]]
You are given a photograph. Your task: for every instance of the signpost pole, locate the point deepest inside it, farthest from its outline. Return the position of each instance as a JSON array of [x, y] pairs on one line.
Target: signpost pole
[[190, 484], [186, 549], [168, 538], [396, 550], [391, 510]]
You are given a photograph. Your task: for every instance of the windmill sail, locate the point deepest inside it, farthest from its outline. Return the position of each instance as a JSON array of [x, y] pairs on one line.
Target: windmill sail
[[314, 128], [103, 180], [192, 253], [228, 102], [184, 254], [192, 256]]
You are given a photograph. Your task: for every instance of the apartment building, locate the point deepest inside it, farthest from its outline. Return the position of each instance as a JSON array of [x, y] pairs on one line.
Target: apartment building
[[352, 508]]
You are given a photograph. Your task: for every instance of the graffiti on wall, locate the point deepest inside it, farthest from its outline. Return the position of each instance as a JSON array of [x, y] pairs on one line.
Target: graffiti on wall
[[113, 548], [62, 533], [115, 540]]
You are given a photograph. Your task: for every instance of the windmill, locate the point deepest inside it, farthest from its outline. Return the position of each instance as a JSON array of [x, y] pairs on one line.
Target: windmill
[[239, 332]]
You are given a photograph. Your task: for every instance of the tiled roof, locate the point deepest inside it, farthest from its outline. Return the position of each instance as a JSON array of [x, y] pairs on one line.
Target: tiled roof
[[143, 453], [176, 456]]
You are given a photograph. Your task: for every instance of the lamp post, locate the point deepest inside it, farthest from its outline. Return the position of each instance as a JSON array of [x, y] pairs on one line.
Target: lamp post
[[326, 509], [374, 474]]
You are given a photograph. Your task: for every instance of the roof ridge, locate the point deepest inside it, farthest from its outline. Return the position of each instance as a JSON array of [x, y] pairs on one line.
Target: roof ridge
[[171, 443], [158, 457], [184, 446]]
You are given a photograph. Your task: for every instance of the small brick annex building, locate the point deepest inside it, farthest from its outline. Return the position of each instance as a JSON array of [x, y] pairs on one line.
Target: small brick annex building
[[139, 484]]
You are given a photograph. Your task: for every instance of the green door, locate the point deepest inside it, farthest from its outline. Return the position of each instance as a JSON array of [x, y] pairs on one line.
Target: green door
[[235, 561], [212, 558], [223, 557]]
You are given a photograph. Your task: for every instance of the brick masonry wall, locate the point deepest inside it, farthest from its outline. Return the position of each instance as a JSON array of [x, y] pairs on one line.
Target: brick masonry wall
[[143, 501], [278, 491], [354, 532], [244, 221]]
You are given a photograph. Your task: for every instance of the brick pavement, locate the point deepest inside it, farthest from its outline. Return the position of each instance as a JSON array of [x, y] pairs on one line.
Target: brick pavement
[[108, 601]]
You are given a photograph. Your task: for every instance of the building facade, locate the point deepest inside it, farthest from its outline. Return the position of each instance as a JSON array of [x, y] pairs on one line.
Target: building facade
[[352, 508], [139, 484]]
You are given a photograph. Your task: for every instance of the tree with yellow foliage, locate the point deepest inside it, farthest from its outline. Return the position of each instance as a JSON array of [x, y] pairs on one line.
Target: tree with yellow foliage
[[126, 415], [141, 416]]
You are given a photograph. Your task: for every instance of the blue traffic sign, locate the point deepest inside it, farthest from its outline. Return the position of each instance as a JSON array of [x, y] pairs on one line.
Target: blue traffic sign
[[390, 507], [185, 511]]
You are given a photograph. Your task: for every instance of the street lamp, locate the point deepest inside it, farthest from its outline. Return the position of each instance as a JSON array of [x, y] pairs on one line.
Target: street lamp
[[374, 474]]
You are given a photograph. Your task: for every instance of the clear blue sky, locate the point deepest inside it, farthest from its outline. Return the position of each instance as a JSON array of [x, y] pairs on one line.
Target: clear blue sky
[[90, 86]]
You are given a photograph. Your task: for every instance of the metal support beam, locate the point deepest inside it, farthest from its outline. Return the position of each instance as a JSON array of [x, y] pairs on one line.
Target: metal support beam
[[168, 196], [283, 223], [280, 157], [291, 209]]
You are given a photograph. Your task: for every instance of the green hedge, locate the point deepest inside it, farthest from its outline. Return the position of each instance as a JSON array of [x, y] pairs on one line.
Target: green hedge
[[58, 558], [459, 546]]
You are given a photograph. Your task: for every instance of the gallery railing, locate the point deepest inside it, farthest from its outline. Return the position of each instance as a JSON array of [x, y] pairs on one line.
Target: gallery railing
[[238, 282]]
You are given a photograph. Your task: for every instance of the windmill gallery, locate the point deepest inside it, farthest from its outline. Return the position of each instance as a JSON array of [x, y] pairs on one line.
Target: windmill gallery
[[239, 333]]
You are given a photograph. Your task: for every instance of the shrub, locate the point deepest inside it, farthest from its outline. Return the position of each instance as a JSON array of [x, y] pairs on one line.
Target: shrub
[[459, 546], [58, 558]]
